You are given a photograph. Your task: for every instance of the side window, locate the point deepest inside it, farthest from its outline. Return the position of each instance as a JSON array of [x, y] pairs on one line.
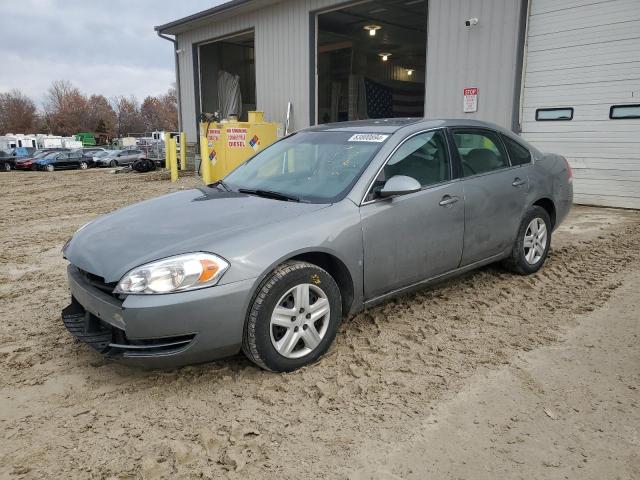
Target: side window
[[518, 153], [480, 151], [62, 156], [423, 157]]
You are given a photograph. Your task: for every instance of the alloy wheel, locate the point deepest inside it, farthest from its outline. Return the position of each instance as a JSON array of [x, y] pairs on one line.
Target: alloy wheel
[[535, 241], [300, 320]]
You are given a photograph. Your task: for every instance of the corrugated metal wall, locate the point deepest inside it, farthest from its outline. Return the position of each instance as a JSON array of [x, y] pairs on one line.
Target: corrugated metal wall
[[282, 58], [483, 56]]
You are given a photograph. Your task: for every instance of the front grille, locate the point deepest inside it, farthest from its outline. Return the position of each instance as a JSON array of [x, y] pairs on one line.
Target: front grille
[[98, 282], [112, 341]]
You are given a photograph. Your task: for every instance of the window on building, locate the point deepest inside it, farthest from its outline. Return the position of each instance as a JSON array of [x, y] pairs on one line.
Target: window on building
[[554, 114], [518, 153], [618, 112], [480, 151]]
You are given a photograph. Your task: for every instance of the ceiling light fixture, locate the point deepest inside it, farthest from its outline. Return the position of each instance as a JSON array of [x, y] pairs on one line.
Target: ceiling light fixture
[[372, 29], [385, 56]]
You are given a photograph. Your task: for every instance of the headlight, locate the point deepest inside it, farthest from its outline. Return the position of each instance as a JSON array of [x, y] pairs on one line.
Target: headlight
[[174, 274]]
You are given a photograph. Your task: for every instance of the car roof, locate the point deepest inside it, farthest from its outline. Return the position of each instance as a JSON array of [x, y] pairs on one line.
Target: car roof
[[392, 125]]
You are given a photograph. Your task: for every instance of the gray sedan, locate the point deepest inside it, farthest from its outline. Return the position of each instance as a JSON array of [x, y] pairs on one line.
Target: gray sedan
[[118, 158], [320, 225]]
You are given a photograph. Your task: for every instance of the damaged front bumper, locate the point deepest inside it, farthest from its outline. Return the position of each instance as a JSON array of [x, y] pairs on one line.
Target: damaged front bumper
[[157, 331]]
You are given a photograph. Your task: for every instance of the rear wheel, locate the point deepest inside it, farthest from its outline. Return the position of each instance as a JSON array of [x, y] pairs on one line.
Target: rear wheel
[[50, 167], [532, 243], [84, 165], [294, 317], [113, 163]]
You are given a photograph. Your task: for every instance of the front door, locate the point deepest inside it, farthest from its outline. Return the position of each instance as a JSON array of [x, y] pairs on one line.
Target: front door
[[413, 237], [62, 161], [494, 192]]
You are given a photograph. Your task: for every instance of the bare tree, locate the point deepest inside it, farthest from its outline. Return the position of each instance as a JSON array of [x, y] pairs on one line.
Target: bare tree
[[151, 111], [101, 116], [17, 113], [169, 103], [66, 109], [128, 117]]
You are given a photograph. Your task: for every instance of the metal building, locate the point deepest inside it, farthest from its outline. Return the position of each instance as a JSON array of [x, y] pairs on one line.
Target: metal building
[[564, 74]]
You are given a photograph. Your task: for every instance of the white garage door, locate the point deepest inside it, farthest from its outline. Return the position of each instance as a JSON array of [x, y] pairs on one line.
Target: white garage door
[[584, 56]]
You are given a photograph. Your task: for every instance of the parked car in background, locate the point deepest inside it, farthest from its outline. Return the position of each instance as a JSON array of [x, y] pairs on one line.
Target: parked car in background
[[7, 161], [92, 151], [62, 161], [320, 225], [119, 158], [21, 152], [27, 162]]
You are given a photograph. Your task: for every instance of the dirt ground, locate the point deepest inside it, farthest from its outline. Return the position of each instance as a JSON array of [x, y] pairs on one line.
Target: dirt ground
[[490, 375]]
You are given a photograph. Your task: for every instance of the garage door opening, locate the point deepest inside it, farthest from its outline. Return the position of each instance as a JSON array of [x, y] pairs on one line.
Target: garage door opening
[[371, 60], [228, 76]]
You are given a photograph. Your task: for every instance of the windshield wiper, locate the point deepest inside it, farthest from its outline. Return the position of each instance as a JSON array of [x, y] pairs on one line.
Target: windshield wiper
[[270, 194]]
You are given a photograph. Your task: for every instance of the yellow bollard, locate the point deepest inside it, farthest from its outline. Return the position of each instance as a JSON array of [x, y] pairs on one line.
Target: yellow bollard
[[173, 159], [205, 163], [167, 137], [183, 151]]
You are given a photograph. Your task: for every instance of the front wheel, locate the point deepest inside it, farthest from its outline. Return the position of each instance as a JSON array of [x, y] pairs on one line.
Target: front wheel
[[294, 317], [50, 168], [532, 243], [6, 167], [113, 163], [83, 165]]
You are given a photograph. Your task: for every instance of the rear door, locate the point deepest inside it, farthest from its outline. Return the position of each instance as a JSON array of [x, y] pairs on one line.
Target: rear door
[[494, 192], [413, 237]]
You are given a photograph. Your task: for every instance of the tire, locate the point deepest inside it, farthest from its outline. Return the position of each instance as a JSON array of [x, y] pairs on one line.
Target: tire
[[83, 165], [261, 336], [525, 259], [113, 163], [50, 167], [6, 167]]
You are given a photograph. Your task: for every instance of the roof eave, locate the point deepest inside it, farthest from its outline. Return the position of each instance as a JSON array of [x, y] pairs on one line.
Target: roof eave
[[177, 26]]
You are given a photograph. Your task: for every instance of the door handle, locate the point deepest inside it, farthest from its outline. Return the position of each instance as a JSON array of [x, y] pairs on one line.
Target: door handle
[[518, 181], [448, 200]]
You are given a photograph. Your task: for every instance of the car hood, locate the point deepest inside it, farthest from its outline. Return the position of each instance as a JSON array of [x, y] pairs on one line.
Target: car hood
[[182, 222]]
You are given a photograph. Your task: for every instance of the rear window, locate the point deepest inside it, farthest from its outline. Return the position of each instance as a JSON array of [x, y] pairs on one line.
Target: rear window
[[618, 112], [518, 153], [554, 114]]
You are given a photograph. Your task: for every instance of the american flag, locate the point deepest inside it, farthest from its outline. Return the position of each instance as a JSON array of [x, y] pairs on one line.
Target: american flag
[[386, 102]]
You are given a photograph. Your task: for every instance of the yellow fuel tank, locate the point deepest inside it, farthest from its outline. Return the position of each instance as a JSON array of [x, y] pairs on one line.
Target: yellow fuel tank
[[230, 142]]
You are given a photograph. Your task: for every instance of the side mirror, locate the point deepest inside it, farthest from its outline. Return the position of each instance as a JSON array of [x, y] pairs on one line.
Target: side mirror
[[400, 185]]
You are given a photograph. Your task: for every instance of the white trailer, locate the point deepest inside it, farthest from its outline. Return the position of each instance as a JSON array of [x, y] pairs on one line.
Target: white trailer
[[12, 140], [71, 142]]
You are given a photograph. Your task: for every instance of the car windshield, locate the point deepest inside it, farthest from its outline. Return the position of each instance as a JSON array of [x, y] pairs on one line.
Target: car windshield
[[50, 154], [316, 167]]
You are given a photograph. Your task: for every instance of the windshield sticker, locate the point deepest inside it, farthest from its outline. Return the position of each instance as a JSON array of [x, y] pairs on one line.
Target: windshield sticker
[[368, 137]]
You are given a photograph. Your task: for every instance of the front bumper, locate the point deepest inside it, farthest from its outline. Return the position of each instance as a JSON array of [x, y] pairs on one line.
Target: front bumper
[[159, 331]]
